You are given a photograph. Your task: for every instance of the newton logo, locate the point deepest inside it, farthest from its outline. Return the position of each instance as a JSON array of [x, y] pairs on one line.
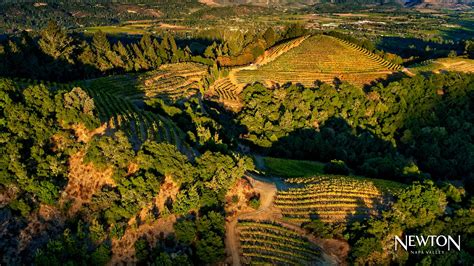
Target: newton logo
[[439, 241]]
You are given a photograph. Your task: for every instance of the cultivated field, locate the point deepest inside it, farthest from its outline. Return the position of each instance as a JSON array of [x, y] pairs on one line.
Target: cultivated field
[[173, 80], [267, 242], [333, 198], [305, 60], [322, 58], [119, 99], [458, 64]]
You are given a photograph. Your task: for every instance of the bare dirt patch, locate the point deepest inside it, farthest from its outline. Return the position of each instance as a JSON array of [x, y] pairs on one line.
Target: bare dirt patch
[[84, 180], [7, 194], [335, 251], [84, 135], [209, 2]]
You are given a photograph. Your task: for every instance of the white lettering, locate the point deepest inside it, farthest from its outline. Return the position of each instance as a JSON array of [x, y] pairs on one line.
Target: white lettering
[[422, 241], [399, 241], [434, 240], [445, 241], [458, 244]]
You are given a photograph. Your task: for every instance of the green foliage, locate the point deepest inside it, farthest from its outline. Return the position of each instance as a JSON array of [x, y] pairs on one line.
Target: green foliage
[[254, 203], [141, 249], [106, 150], [336, 167], [454, 193], [59, 56], [36, 141], [167, 160], [21, 206], [270, 37], [206, 234], [294, 30], [321, 229], [79, 107], [56, 43], [382, 132], [73, 248], [185, 231], [469, 48], [420, 209], [291, 168]]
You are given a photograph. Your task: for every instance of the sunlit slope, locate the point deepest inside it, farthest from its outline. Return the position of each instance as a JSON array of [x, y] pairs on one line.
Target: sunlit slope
[[334, 198], [457, 64], [321, 58]]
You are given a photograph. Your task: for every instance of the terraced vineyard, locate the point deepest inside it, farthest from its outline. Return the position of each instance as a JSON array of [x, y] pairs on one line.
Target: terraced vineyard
[[272, 243], [173, 80], [333, 198], [323, 58], [277, 50], [225, 90], [139, 125], [119, 100], [371, 55]]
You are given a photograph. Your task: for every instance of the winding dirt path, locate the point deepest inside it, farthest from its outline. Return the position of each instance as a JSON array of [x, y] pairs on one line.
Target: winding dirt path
[[334, 251], [267, 193]]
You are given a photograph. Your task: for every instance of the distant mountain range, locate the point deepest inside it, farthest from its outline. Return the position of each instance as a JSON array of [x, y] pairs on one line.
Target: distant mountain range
[[434, 3]]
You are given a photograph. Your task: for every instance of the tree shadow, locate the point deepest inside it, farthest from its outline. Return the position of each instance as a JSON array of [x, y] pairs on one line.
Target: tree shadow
[[416, 47], [336, 139]]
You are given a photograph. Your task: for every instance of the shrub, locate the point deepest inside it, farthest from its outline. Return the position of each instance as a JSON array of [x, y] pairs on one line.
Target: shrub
[[336, 167]]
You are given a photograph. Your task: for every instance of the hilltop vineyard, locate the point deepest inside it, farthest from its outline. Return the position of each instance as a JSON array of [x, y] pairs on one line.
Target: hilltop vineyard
[[267, 242], [322, 58], [277, 50]]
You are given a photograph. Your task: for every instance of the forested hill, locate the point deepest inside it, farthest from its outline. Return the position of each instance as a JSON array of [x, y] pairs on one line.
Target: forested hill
[[18, 16]]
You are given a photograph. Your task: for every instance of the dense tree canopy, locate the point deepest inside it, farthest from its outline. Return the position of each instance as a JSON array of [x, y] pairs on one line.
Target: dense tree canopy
[[385, 131]]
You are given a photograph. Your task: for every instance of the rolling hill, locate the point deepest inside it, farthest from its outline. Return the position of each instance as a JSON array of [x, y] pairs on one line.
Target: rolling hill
[[305, 60], [322, 58]]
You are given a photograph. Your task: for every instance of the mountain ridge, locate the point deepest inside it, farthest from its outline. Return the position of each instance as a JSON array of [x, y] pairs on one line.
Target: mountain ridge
[[409, 3]]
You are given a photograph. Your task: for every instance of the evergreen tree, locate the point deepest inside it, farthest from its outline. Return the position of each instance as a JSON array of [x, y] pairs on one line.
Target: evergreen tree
[[102, 50], [56, 43]]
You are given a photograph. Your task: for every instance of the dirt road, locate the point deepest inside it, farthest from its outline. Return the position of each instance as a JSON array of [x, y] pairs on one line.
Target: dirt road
[[334, 251], [267, 193]]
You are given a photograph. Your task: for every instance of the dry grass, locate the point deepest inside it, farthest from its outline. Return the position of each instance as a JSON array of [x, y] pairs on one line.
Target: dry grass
[[84, 180], [458, 64]]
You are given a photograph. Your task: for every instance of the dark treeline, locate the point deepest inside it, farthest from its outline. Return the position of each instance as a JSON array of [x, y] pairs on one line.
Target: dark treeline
[[392, 131], [58, 56]]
